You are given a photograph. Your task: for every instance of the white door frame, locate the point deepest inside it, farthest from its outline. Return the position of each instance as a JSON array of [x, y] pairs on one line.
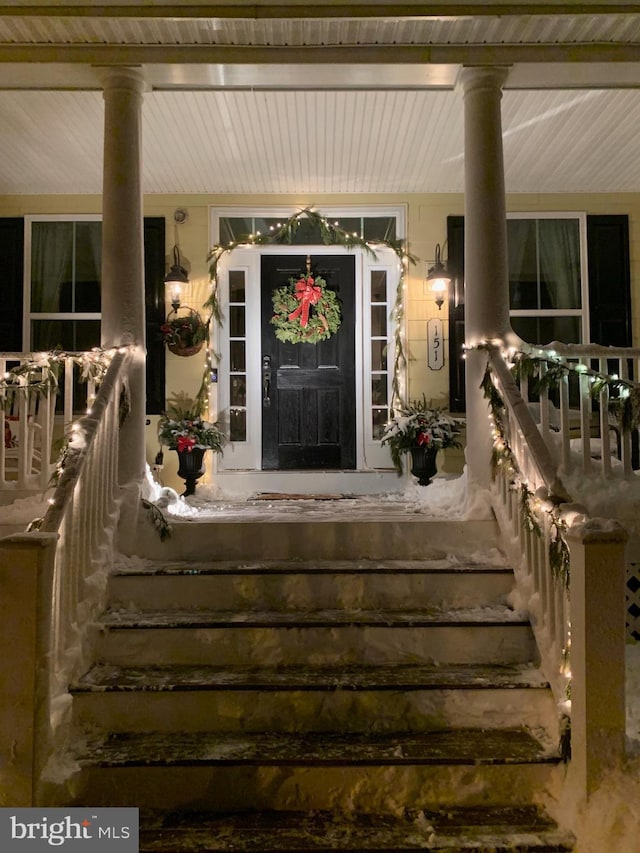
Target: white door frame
[[238, 470]]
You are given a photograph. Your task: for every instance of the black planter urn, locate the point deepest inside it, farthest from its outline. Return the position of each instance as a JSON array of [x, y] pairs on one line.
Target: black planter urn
[[423, 463], [191, 467]]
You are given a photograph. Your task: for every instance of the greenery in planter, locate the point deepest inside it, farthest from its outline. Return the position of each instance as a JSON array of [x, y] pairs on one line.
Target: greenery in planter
[[417, 425], [184, 330], [182, 426]]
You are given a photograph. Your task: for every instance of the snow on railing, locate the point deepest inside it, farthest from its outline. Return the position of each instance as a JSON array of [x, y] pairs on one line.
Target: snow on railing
[[578, 400], [522, 483], [33, 417], [83, 512], [570, 574]]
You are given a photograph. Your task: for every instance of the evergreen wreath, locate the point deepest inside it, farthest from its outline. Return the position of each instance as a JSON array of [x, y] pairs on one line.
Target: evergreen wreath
[[305, 311]]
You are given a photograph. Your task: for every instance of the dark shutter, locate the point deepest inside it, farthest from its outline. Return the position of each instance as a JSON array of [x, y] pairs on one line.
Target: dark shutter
[[154, 272], [455, 267], [11, 263], [609, 280]]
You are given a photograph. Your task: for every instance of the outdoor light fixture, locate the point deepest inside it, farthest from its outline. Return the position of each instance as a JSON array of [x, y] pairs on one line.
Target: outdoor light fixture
[[438, 279], [175, 279]]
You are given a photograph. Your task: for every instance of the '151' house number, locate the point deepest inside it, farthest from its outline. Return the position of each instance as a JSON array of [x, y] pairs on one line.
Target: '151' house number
[[435, 344]]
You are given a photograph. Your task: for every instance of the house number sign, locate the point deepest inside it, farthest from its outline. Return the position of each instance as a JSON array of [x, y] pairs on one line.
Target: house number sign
[[435, 344]]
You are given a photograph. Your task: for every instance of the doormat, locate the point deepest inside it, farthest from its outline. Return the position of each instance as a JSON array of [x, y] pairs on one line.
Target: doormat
[[292, 496]]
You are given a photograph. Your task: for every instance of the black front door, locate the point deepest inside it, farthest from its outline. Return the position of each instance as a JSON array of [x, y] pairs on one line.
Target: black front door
[[308, 390]]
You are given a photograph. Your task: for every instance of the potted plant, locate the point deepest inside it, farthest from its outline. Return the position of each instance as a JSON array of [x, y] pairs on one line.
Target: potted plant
[[184, 333], [183, 429], [422, 431]]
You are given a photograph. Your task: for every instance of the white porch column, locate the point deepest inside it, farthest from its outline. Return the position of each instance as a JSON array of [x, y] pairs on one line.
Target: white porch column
[[123, 252], [485, 248]]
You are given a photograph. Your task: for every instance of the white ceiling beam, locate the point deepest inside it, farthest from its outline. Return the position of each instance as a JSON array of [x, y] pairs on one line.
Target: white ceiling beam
[[254, 9]]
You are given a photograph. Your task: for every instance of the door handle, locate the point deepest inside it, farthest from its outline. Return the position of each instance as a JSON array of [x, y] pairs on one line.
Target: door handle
[[266, 381]]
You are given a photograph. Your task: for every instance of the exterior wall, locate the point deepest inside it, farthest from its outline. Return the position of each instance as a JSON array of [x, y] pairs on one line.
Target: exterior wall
[[426, 222]]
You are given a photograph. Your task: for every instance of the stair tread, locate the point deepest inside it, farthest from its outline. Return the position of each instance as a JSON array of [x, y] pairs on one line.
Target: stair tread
[[105, 677], [437, 747], [293, 567], [477, 829], [115, 618]]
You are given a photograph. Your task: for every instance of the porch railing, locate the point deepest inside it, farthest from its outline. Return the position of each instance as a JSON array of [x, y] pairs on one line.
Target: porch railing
[[59, 573], [578, 413], [34, 422], [570, 576]]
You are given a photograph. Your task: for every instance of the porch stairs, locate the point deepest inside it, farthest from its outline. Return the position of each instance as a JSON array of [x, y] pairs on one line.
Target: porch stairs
[[320, 685]]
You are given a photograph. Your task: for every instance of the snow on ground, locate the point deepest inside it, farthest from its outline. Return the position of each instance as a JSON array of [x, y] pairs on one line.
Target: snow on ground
[[24, 510]]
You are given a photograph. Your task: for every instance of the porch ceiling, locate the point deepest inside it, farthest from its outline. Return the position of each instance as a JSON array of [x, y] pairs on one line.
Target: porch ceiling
[[252, 101]]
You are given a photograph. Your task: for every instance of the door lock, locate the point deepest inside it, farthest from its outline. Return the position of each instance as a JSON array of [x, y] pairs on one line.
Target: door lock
[[266, 381]]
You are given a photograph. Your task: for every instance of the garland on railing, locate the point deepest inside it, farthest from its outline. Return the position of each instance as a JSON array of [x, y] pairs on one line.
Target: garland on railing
[[331, 235], [41, 372], [624, 394], [157, 518], [502, 456]]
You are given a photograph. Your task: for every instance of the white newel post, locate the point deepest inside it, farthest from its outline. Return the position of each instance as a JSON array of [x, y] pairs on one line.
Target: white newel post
[[597, 603], [123, 258], [485, 248]]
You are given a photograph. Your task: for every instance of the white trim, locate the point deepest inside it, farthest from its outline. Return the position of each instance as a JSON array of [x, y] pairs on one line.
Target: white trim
[[239, 469]]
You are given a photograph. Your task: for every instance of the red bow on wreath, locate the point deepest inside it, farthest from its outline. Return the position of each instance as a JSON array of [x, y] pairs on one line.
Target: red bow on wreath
[[309, 294]]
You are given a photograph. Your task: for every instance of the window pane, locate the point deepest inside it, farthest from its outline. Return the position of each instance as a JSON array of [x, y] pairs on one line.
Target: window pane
[[380, 228], [379, 390], [236, 286], [378, 355], [237, 425], [544, 263], [65, 267], [234, 229], [51, 265], [236, 321], [238, 360], [88, 253], [378, 320], [523, 263], [238, 391], [72, 335], [379, 286], [559, 241], [543, 330], [352, 225], [379, 417]]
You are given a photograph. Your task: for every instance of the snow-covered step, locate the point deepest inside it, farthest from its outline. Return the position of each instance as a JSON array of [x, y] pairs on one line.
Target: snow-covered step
[[378, 774], [318, 585], [302, 698], [409, 537], [456, 830], [494, 634]]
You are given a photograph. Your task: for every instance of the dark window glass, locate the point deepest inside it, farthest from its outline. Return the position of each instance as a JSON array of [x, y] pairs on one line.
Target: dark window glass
[[379, 320], [379, 286], [237, 425], [380, 228], [236, 321], [379, 417], [544, 330], [378, 355], [238, 391], [379, 390], [236, 286]]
